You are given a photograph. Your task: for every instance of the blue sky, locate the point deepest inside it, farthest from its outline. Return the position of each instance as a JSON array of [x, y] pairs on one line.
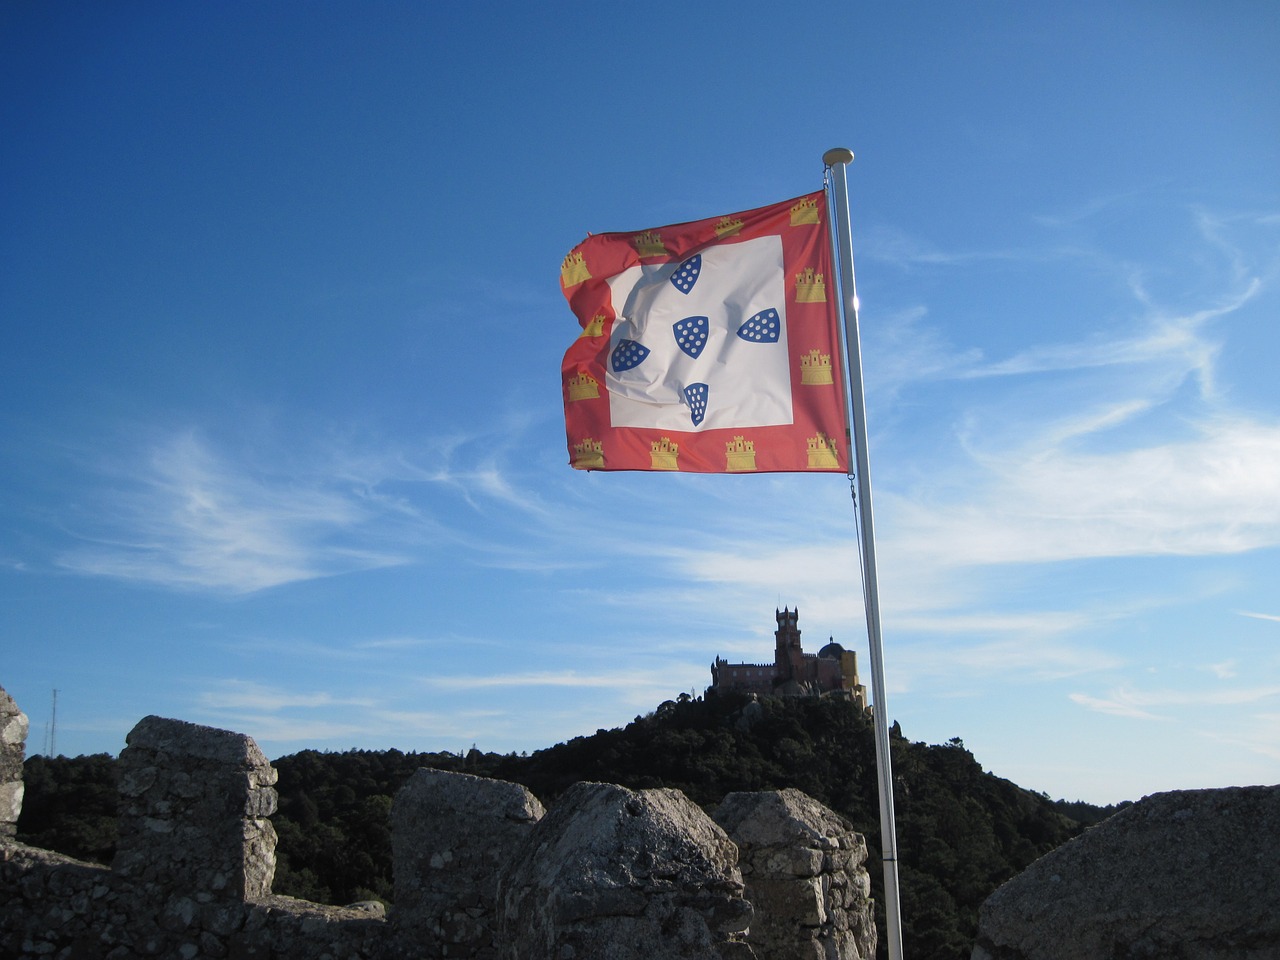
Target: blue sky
[[281, 446]]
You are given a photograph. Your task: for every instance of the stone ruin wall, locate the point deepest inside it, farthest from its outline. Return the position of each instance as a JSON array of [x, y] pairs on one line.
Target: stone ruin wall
[[482, 871]]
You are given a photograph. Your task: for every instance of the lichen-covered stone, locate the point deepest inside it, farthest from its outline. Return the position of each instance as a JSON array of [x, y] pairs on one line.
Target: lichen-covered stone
[[451, 832], [617, 874], [193, 807], [803, 866], [1186, 875]]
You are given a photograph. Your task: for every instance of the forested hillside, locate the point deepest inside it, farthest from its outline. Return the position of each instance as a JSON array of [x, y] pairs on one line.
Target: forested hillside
[[961, 832]]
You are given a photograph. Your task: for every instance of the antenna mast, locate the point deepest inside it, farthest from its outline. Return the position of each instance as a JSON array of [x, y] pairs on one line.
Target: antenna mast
[[51, 730]]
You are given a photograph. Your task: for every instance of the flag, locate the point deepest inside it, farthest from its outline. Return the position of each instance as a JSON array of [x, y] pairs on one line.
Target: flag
[[707, 347]]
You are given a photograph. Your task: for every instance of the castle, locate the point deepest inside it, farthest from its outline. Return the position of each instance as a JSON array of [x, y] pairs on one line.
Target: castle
[[793, 673]]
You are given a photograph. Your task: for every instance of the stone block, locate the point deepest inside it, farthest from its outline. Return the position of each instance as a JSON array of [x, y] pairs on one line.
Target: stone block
[[624, 875], [805, 876], [1190, 874], [191, 805], [450, 834]]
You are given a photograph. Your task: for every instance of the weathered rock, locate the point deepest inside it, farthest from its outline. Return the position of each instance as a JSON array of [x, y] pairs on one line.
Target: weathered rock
[[617, 874], [13, 745], [803, 866], [1187, 875], [451, 832], [193, 807]]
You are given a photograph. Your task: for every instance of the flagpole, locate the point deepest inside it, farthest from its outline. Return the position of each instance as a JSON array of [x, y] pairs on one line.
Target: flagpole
[[837, 160]]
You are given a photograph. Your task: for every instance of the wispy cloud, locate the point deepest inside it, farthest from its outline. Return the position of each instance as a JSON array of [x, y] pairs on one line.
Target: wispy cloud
[[1118, 705], [1089, 209], [890, 245], [393, 643], [1109, 456], [461, 710], [1039, 623], [238, 695], [187, 513], [1171, 345], [1028, 655], [1262, 736], [186, 517], [1224, 670], [623, 680], [1130, 702], [908, 350], [1211, 494]]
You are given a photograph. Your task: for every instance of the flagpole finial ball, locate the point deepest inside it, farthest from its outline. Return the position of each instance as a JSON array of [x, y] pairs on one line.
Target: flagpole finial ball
[[837, 155]]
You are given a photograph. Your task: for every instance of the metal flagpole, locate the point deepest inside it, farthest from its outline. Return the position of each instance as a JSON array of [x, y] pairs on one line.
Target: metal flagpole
[[837, 160]]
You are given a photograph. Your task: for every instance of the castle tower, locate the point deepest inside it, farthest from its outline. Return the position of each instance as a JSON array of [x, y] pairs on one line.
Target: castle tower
[[788, 655]]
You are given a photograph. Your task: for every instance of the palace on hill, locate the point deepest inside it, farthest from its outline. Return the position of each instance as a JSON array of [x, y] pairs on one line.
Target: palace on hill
[[832, 670]]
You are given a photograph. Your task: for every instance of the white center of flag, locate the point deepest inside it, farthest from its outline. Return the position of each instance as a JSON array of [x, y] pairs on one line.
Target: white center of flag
[[739, 377]]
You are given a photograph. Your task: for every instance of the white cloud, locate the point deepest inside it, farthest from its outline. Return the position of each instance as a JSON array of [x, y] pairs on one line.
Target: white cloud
[[271, 728], [1089, 448], [1030, 654], [908, 350], [238, 695], [1130, 702], [393, 643], [1258, 733], [1037, 623], [186, 517], [893, 246], [1118, 705], [185, 512], [623, 680], [1211, 494], [1172, 342], [1224, 670]]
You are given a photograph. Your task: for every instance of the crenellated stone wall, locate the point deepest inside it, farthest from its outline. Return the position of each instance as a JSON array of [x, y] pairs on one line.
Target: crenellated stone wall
[[481, 870]]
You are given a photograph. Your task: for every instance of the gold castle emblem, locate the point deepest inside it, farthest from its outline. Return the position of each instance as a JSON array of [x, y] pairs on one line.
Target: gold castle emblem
[[574, 270], [588, 455], [822, 453], [815, 369], [805, 212], [739, 455], [810, 287], [663, 455], [584, 387], [649, 244], [594, 327], [728, 226]]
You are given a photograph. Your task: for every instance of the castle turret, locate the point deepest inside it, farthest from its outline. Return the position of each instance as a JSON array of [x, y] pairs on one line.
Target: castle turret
[[788, 655]]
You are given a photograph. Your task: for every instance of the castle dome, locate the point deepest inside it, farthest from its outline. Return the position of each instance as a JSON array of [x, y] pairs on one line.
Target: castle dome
[[832, 651]]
